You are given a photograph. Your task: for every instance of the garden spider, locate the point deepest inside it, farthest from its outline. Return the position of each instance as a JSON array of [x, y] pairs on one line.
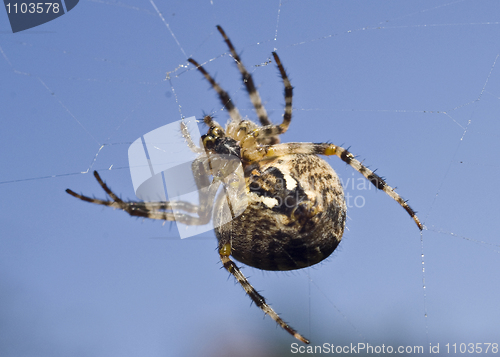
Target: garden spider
[[294, 215]]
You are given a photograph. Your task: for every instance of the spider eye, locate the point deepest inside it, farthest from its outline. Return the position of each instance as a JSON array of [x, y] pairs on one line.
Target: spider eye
[[208, 141], [216, 131]]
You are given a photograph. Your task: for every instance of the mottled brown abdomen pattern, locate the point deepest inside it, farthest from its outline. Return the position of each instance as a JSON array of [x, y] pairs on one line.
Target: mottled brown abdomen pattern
[[295, 216]]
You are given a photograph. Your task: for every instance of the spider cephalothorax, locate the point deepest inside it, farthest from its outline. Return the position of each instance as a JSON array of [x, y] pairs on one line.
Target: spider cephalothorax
[[285, 211], [216, 142]]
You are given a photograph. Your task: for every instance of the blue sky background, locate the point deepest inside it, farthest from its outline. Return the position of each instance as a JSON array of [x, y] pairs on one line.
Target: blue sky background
[[413, 88]]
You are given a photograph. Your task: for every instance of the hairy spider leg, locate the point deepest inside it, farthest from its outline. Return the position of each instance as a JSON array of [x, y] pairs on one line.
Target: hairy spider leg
[[268, 133], [189, 140], [158, 210], [261, 134], [287, 116], [258, 299], [348, 158], [248, 81], [223, 95]]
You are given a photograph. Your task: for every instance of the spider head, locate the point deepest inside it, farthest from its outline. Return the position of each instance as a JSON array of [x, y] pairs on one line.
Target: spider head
[[222, 151], [216, 142]]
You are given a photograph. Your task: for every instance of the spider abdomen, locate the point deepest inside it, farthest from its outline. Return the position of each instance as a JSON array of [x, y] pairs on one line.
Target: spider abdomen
[[295, 216]]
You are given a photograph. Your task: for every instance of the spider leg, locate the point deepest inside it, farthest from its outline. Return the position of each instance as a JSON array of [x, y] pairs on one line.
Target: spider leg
[[248, 81], [348, 158], [269, 134], [189, 141], [209, 121], [158, 210], [153, 210], [231, 267], [140, 206], [223, 95], [287, 116]]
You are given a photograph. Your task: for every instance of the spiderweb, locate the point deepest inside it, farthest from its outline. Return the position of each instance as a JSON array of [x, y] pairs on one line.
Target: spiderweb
[[412, 88]]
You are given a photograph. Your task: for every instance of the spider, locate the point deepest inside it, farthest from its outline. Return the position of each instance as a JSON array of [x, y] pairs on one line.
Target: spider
[[294, 212]]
